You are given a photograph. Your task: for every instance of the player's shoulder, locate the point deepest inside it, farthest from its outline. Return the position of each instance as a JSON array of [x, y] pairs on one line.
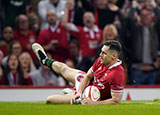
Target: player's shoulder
[[118, 71], [119, 67]]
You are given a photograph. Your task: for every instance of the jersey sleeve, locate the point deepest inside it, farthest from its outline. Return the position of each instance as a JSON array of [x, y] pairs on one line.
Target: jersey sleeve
[[75, 30], [117, 84]]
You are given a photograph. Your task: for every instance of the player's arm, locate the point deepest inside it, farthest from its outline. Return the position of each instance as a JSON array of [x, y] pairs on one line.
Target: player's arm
[[84, 83], [116, 99]]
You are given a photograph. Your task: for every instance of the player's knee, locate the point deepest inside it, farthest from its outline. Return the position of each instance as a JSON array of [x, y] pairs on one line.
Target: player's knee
[[50, 100], [64, 69]]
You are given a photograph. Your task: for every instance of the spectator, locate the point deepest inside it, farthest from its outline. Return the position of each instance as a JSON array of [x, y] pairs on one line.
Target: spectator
[[88, 36], [1, 66], [75, 12], [54, 39], [13, 73], [45, 5], [2, 17], [69, 63], [6, 39], [13, 8], [109, 33], [158, 2], [34, 23], [104, 11], [15, 48], [45, 77], [24, 35], [145, 45], [74, 51], [27, 63], [157, 66]]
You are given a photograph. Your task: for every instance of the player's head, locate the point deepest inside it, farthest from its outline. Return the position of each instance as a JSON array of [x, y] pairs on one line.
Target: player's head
[[110, 52]]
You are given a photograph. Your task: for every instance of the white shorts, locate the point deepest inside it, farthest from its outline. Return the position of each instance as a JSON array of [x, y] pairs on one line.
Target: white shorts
[[78, 79]]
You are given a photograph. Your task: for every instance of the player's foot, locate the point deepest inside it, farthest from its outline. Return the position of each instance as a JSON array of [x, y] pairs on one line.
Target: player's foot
[[40, 53]]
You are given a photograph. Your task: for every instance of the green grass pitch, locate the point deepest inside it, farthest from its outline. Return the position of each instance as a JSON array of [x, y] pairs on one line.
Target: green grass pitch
[[40, 108]]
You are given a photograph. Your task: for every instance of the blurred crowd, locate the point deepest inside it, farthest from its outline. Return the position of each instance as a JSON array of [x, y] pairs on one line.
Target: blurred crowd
[[73, 32]]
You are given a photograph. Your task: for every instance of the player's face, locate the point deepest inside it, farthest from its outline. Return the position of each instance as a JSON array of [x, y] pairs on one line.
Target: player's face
[[106, 56]]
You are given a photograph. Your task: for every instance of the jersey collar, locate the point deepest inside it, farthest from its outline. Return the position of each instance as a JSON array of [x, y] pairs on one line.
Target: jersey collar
[[119, 62], [53, 29], [95, 29]]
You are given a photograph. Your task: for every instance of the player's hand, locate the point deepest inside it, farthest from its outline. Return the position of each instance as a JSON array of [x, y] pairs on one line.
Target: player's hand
[[88, 101], [73, 99]]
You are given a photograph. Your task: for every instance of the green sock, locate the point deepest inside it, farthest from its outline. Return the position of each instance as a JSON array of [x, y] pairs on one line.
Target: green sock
[[48, 62]]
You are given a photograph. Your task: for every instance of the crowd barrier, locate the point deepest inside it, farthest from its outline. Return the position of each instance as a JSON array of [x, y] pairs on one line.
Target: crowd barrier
[[36, 94]]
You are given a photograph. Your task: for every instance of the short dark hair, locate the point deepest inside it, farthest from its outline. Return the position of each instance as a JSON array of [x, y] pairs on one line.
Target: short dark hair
[[114, 45], [11, 45]]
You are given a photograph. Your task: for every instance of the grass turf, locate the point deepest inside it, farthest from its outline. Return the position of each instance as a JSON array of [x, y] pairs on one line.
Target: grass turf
[[40, 108]]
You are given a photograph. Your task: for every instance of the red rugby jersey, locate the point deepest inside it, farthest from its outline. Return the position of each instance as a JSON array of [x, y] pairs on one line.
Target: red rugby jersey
[[59, 36], [25, 40], [88, 39], [108, 79]]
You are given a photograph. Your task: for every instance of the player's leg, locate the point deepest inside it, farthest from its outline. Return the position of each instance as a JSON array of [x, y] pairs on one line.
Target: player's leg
[[59, 67], [67, 72], [59, 99]]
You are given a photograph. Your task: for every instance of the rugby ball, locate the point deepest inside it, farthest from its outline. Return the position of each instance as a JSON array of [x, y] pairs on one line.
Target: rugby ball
[[92, 92]]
